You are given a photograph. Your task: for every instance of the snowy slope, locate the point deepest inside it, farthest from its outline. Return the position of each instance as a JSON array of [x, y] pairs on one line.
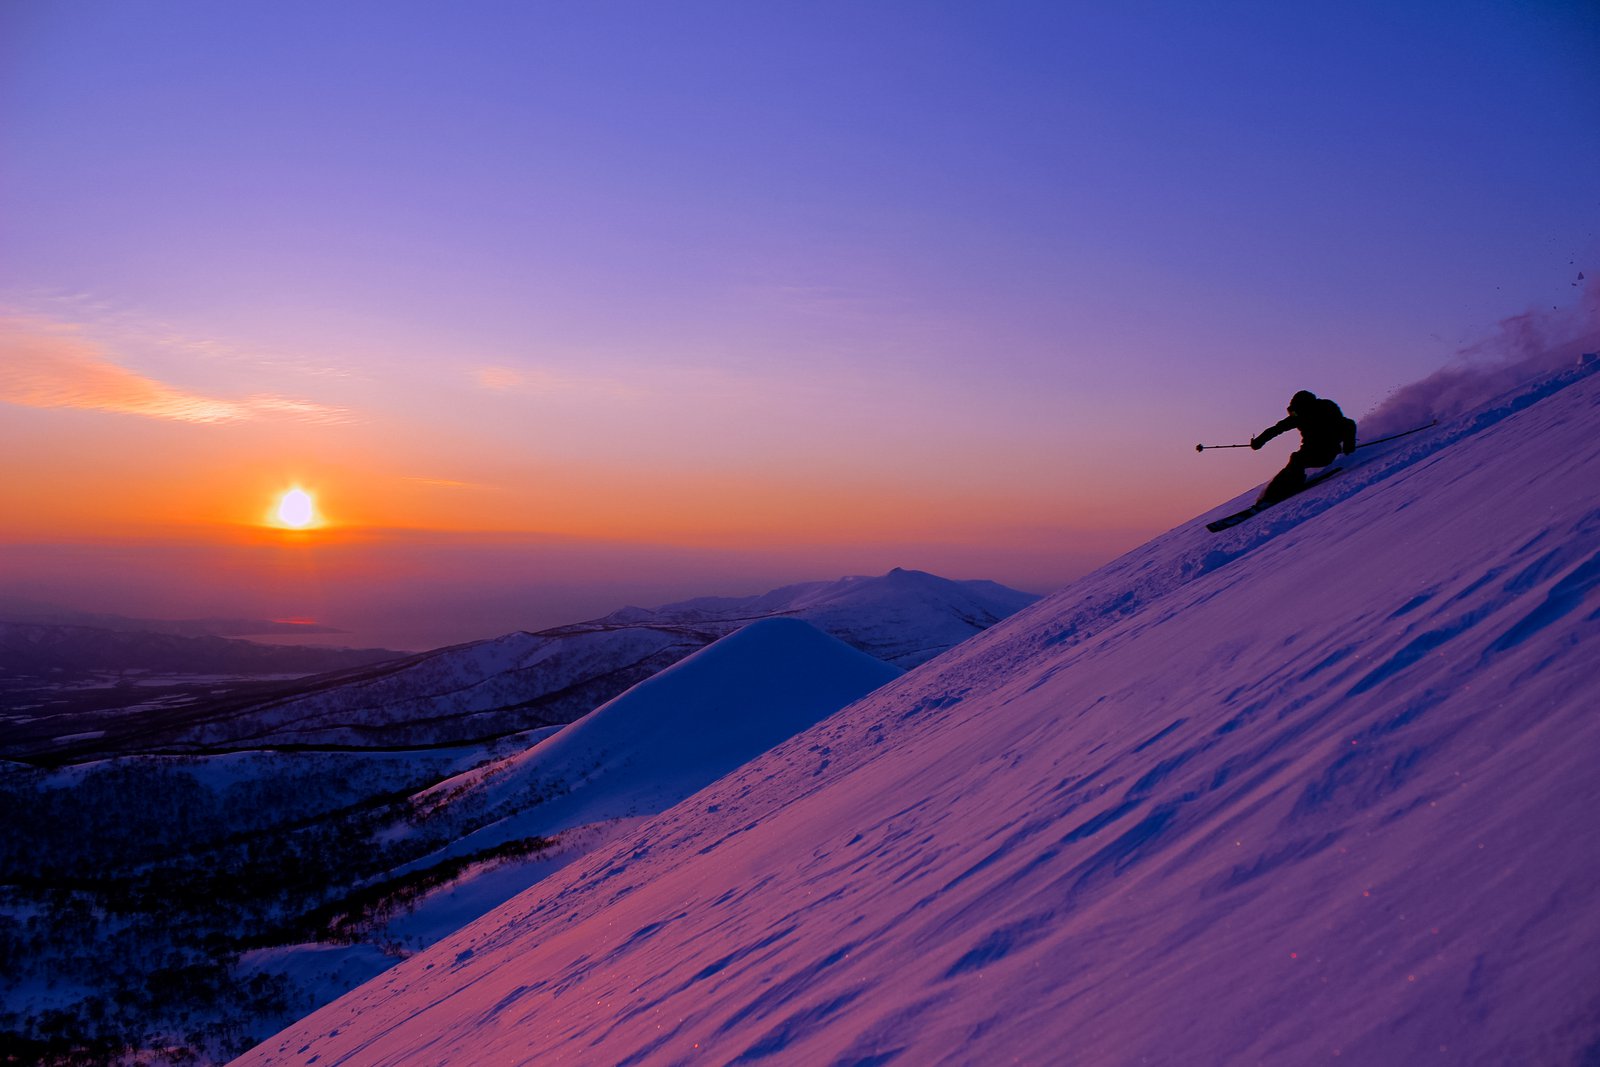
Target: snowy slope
[[668, 736], [634, 757], [521, 681], [1319, 786]]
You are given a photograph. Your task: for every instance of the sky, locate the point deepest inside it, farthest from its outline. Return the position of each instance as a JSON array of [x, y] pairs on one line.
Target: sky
[[556, 307]]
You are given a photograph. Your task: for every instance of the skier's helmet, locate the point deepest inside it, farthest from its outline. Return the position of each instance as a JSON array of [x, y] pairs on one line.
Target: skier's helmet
[[1301, 401]]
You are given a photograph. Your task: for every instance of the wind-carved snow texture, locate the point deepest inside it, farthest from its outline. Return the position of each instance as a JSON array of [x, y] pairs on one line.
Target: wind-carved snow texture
[[1321, 786]]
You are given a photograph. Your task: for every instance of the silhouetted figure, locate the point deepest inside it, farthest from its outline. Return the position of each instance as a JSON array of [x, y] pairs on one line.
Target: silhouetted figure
[[1324, 433]]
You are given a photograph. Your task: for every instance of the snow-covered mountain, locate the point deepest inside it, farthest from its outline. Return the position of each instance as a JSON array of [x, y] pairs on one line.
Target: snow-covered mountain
[[635, 756], [667, 736], [257, 853], [905, 617], [505, 825], [523, 681], [1321, 786]]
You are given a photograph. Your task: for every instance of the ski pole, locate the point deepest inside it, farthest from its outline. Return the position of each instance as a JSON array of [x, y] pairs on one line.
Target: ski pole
[[1402, 433], [1363, 444]]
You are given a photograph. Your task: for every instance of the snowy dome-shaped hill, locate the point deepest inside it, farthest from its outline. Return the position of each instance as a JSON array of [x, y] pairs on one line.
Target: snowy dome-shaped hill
[[669, 735], [1317, 788]]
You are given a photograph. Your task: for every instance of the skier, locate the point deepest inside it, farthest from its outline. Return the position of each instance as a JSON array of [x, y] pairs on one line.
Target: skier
[[1324, 433]]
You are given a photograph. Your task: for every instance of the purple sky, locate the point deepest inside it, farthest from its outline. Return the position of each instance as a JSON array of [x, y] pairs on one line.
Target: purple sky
[[952, 286]]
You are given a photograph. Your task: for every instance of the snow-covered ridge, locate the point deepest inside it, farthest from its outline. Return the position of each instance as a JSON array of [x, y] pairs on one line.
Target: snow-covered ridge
[[632, 758], [524, 681], [292, 801], [668, 736], [905, 617], [1319, 786]]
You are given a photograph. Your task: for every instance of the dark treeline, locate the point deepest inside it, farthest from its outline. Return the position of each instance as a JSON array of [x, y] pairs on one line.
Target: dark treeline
[[129, 890]]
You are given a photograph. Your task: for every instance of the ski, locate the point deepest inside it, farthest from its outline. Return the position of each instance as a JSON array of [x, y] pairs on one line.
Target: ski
[[1237, 517]]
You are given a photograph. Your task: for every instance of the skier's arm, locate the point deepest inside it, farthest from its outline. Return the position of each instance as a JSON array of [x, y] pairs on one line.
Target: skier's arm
[[1272, 431]]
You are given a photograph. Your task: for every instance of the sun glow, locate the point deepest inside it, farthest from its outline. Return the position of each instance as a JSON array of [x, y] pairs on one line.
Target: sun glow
[[296, 509]]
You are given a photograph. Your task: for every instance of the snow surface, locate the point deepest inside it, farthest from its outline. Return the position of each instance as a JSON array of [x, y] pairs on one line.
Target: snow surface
[[1321, 786], [486, 886], [635, 756], [670, 735], [320, 971]]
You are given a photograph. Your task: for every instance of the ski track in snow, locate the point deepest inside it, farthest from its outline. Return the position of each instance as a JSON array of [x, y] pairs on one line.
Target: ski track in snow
[[1320, 786]]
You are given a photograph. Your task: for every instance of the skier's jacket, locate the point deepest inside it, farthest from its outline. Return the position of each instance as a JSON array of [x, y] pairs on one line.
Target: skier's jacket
[[1324, 430]]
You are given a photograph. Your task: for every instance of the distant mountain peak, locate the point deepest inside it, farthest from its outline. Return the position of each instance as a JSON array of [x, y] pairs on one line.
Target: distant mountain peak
[[903, 616]]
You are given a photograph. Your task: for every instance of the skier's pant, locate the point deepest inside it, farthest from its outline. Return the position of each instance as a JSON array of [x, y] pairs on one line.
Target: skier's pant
[[1292, 478]]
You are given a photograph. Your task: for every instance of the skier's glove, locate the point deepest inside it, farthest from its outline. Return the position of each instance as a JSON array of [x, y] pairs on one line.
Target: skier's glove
[[1255, 444]]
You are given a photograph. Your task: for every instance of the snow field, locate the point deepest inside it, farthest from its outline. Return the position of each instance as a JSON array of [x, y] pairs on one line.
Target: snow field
[[1319, 787]]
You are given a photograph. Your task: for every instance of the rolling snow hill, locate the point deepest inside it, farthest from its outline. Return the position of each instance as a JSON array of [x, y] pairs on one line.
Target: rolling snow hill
[[1321, 786], [262, 847], [635, 756], [509, 823], [523, 681], [668, 736]]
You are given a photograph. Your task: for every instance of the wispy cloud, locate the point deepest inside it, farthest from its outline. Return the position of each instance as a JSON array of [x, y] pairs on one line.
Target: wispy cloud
[[304, 410], [499, 379], [48, 365], [131, 331], [533, 381], [448, 483]]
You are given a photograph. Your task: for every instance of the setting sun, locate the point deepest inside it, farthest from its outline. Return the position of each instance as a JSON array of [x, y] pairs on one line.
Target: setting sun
[[295, 508]]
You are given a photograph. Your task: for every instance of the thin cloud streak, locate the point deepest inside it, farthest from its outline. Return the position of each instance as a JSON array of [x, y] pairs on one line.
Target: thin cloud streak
[[450, 483], [51, 366], [304, 410], [498, 378], [127, 330]]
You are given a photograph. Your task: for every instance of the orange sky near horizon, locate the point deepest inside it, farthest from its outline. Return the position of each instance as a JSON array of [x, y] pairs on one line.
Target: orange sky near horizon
[[550, 308], [101, 449]]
